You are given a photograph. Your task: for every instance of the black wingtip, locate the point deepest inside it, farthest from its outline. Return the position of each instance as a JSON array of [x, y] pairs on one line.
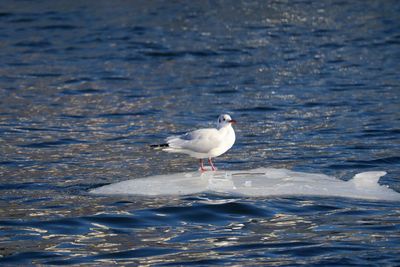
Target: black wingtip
[[159, 145]]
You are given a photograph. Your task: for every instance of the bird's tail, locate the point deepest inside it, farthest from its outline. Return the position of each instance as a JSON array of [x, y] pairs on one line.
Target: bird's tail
[[159, 146]]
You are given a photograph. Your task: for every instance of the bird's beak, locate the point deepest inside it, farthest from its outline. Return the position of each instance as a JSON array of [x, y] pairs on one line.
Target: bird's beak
[[232, 121]]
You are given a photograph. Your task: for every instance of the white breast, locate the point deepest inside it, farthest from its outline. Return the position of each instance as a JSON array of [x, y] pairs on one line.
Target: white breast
[[228, 139]]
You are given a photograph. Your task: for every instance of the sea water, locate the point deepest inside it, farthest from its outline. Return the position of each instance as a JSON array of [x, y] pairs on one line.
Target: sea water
[[86, 86]]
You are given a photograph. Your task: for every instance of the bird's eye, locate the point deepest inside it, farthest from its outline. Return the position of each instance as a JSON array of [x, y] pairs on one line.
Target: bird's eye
[[224, 119]]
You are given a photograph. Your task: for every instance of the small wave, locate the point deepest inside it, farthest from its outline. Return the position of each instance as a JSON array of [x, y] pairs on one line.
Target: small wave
[[121, 114], [380, 132], [212, 212], [127, 114], [380, 161], [27, 186], [351, 166], [7, 163], [231, 65], [331, 45], [48, 144], [77, 80], [72, 116], [36, 44], [26, 258], [115, 78], [175, 54], [58, 27], [23, 20], [120, 221], [43, 75], [138, 29], [225, 91], [81, 91], [136, 253], [6, 14], [146, 45], [257, 109], [258, 27]]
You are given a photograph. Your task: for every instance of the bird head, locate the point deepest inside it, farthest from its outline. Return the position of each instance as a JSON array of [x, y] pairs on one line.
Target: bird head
[[224, 120]]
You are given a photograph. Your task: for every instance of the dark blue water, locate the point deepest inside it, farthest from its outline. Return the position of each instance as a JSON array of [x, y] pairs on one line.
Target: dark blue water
[[85, 86]]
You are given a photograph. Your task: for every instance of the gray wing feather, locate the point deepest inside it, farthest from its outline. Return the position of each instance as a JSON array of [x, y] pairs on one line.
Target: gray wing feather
[[200, 141]]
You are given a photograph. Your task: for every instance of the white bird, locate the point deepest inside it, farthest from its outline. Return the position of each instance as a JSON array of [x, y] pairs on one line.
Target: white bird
[[203, 143]]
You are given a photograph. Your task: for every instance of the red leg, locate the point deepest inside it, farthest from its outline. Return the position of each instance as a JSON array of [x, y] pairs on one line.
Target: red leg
[[202, 165], [212, 165]]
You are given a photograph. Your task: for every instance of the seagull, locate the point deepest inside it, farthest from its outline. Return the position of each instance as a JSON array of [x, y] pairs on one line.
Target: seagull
[[203, 143]]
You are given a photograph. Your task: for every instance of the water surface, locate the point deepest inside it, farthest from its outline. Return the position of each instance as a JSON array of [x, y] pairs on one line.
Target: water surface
[[86, 86]]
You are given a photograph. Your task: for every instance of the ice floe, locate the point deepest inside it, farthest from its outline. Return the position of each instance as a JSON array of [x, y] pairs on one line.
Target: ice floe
[[256, 182]]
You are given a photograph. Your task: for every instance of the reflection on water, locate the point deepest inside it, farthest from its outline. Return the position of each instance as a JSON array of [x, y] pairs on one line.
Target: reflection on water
[[85, 87], [180, 233]]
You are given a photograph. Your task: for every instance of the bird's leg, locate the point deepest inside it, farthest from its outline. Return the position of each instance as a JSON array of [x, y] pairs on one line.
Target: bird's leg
[[202, 165], [212, 165]]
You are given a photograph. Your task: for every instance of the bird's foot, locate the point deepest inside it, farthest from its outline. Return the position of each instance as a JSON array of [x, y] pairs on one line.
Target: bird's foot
[[202, 169], [211, 164]]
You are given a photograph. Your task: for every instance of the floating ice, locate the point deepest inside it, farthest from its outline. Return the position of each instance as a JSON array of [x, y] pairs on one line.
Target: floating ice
[[256, 182]]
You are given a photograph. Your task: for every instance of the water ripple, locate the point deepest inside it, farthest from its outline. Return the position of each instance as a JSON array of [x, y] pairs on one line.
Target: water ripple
[[86, 87]]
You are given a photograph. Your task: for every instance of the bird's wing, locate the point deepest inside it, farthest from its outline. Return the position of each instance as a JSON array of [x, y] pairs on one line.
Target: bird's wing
[[200, 141]]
